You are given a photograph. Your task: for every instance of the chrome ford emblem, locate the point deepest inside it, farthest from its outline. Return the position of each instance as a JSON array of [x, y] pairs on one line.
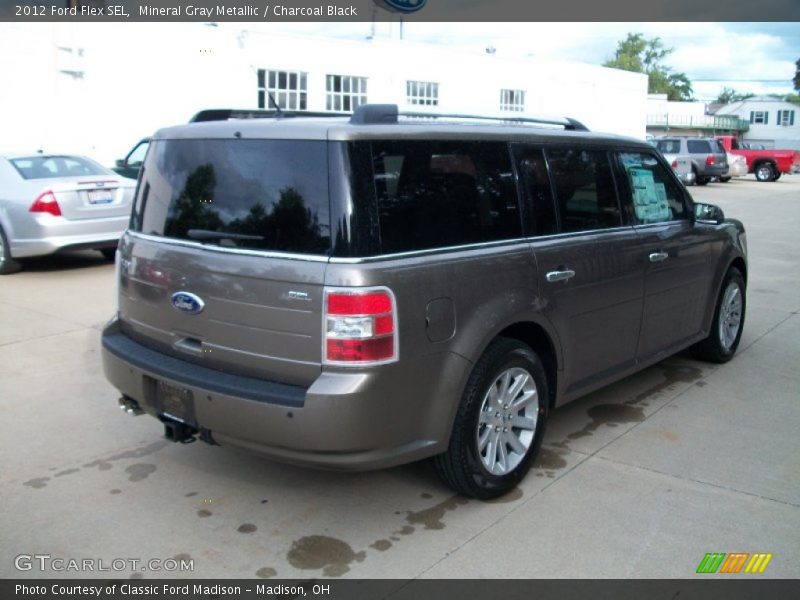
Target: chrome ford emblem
[[406, 6], [187, 302]]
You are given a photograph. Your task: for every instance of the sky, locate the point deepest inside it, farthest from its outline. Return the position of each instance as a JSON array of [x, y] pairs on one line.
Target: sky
[[748, 57]]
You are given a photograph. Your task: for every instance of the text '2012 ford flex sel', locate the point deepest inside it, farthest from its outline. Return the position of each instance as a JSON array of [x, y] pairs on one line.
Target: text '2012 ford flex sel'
[[364, 293]]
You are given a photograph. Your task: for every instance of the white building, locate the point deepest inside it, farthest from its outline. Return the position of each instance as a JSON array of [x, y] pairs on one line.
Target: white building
[[774, 123], [97, 89]]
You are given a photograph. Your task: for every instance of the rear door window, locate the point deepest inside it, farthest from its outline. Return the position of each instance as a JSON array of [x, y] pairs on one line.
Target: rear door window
[[266, 194], [586, 196], [698, 146], [649, 190], [540, 214], [438, 194], [669, 146]]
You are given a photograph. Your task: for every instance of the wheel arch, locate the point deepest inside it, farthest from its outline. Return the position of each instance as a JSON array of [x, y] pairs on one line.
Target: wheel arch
[[537, 337]]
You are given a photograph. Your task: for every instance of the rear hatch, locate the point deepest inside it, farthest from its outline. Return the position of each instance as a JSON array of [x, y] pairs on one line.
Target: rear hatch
[[226, 259]]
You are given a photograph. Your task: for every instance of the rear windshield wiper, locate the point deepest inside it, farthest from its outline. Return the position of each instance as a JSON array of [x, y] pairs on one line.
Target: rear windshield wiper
[[207, 235]]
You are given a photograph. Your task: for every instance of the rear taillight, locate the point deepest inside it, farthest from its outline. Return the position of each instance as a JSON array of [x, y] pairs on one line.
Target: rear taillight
[[710, 159], [675, 164], [46, 203], [360, 326]]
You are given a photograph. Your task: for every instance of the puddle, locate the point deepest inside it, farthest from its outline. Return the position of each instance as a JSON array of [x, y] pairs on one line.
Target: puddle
[[247, 528], [266, 572], [548, 462], [381, 545], [37, 483], [333, 556], [426, 496], [140, 471], [669, 435], [611, 415], [190, 495], [672, 374], [203, 513], [66, 472], [115, 491], [431, 518]]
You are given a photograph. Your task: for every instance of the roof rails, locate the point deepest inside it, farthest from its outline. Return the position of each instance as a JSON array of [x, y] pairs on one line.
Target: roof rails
[[223, 114], [372, 114]]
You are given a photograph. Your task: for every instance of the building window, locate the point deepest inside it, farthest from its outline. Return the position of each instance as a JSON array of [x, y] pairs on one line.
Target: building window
[[785, 117], [422, 92], [759, 117], [344, 92], [288, 89], [513, 100]]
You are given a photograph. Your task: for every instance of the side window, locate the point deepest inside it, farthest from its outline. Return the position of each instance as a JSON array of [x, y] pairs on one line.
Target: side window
[[586, 197], [136, 156], [437, 194], [653, 193], [540, 210], [669, 146], [698, 146]]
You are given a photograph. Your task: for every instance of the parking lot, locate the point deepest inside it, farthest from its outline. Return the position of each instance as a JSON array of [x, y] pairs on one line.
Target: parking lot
[[639, 479]]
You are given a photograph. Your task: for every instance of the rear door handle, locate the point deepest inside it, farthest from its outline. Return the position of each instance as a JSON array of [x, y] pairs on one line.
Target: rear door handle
[[658, 256], [562, 275]]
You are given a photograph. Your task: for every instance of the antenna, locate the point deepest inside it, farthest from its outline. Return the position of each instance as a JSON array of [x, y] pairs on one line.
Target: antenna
[[275, 104]]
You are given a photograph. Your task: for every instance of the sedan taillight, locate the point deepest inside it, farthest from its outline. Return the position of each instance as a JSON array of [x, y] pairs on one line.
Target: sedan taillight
[[46, 203], [360, 327], [710, 159]]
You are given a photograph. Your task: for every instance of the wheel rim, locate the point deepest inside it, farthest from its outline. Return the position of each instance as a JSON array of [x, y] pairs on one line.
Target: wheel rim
[[764, 172], [730, 316], [507, 421]]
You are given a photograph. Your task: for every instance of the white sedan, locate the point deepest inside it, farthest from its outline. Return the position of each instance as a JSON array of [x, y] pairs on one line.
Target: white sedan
[[737, 167], [54, 202]]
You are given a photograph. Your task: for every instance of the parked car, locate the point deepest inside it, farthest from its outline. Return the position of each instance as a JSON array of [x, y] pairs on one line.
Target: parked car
[[707, 155], [364, 293], [52, 202], [767, 165], [737, 167], [130, 165], [682, 165]]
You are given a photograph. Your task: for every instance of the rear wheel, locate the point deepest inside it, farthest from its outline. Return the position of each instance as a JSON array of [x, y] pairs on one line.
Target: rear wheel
[[765, 172], [724, 179], [499, 424], [726, 329], [7, 263]]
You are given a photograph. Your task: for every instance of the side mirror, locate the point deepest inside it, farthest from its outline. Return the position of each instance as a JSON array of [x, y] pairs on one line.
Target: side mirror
[[121, 164], [708, 213]]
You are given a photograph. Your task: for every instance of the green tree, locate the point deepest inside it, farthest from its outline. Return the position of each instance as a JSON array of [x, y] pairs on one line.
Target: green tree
[[796, 79], [641, 55], [728, 95]]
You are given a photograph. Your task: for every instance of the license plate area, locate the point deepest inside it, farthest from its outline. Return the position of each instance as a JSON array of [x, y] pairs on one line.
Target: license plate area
[[174, 402], [104, 196]]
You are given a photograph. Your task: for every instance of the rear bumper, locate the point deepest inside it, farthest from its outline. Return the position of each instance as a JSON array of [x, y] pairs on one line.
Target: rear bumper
[[39, 234], [344, 420], [687, 178]]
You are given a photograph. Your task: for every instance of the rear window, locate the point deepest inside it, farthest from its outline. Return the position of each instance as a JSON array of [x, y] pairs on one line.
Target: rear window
[[262, 194], [699, 147], [437, 194], [46, 167]]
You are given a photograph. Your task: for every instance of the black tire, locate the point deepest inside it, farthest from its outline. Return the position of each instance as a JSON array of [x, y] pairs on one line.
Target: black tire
[[777, 176], [7, 263], [702, 180], [461, 467], [764, 172], [715, 348], [109, 253], [724, 179]]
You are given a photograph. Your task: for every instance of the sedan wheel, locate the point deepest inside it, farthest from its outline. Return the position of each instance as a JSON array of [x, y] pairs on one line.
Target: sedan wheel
[[7, 263]]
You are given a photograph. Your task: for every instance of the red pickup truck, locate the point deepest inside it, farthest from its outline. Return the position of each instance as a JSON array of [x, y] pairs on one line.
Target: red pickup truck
[[768, 165]]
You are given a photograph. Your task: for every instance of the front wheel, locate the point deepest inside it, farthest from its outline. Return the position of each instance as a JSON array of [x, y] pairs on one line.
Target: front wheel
[[765, 172], [703, 180], [499, 424], [726, 329]]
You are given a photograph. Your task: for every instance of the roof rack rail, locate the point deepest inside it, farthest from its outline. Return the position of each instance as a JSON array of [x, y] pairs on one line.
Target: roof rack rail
[[389, 113], [223, 114]]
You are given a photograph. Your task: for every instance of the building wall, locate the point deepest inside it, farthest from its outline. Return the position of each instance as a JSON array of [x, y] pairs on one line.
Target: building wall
[[771, 134], [96, 90]]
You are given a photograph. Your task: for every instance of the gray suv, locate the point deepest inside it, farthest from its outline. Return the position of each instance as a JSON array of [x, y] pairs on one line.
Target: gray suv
[[707, 155], [364, 293]]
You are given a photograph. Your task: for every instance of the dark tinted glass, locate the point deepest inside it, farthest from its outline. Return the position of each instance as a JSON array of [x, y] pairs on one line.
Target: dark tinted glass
[[275, 192], [45, 167], [698, 146], [650, 190], [539, 207], [436, 194], [584, 188]]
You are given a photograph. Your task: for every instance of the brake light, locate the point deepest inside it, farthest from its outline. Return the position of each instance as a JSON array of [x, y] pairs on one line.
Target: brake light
[[46, 203], [360, 327], [710, 159], [674, 164]]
